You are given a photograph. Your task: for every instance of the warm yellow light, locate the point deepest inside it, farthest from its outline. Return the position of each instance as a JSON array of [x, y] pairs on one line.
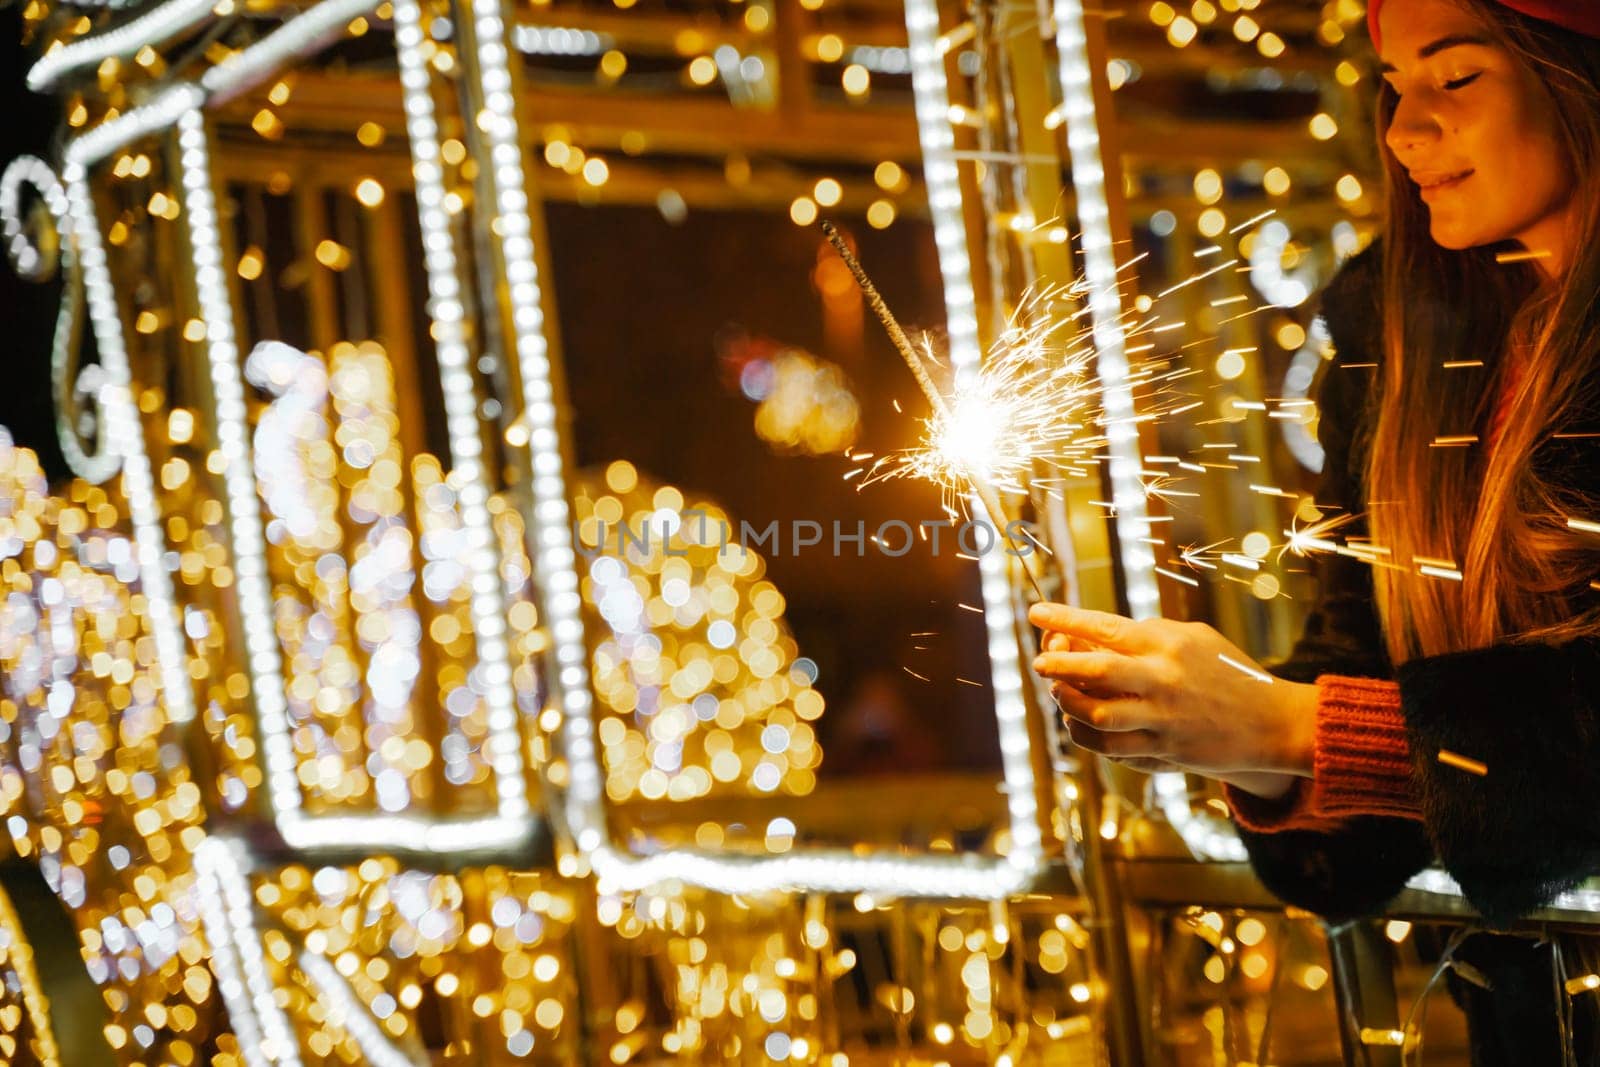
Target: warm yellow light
[[803, 211], [1323, 127], [369, 191], [1270, 45], [180, 425], [880, 214], [1208, 186], [1275, 181], [1212, 222], [371, 134], [890, 176], [830, 48], [613, 64], [1162, 13], [556, 153], [1290, 336], [1230, 365], [703, 70], [595, 171], [267, 124], [1203, 12], [1348, 188], [333, 255], [251, 264], [1182, 31], [856, 80], [828, 192], [757, 18], [1347, 72], [1246, 28]]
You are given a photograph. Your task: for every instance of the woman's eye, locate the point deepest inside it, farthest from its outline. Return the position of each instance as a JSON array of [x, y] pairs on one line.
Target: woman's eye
[[1460, 83]]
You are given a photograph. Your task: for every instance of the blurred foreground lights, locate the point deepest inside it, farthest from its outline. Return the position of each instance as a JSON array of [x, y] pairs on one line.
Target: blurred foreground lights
[[595, 171], [1275, 181], [803, 211], [1349, 188], [333, 255], [1323, 127], [828, 192], [880, 215], [370, 134], [703, 70], [856, 80], [369, 191], [890, 176]]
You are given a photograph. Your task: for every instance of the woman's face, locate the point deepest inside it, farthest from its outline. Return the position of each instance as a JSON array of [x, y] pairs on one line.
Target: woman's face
[[1476, 134]]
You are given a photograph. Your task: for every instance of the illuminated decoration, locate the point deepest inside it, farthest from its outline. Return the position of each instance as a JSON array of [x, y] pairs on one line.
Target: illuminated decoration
[[285, 614], [804, 403], [701, 683], [1285, 288]]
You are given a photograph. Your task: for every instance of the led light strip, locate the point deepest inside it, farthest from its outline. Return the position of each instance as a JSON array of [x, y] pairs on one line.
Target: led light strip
[[348, 1013], [298, 34], [159, 23], [26, 260], [1105, 307], [1208, 838], [943, 182], [244, 511], [222, 896], [461, 411], [122, 428]]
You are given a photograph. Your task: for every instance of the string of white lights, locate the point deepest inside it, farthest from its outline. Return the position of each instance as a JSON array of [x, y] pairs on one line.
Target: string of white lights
[[157, 24], [125, 438], [29, 263], [26, 260], [303, 32], [943, 182], [1105, 308], [1207, 837], [461, 412], [222, 896], [348, 1013], [239, 483]]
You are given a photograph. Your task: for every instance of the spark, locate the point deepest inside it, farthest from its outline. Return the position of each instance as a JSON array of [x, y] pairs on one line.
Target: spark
[[1244, 668], [1463, 763]]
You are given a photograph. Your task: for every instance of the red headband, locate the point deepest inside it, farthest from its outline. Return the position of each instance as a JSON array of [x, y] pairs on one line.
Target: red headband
[[1579, 16]]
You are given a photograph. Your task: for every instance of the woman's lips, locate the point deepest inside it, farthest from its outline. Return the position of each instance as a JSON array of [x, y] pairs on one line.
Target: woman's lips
[[1432, 186]]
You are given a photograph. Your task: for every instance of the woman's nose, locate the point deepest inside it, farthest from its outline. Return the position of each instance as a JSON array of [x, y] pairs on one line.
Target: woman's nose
[[1411, 126]]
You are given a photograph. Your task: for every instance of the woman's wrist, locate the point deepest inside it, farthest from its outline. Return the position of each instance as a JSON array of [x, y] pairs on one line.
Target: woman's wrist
[[1297, 735]]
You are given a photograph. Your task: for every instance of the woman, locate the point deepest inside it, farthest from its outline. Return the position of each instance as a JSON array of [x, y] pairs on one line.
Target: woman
[[1423, 715]]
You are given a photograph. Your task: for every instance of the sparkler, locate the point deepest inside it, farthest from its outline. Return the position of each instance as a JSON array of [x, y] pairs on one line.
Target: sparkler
[[978, 442]]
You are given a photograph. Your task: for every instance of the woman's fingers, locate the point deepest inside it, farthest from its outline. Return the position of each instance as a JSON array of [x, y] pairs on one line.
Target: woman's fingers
[[1097, 627], [1133, 744], [1099, 670], [1112, 715]]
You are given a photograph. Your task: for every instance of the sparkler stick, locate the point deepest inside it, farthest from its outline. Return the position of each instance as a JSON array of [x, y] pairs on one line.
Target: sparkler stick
[[891, 326]]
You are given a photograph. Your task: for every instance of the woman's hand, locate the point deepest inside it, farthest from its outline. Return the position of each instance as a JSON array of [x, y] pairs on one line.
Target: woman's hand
[[1177, 693]]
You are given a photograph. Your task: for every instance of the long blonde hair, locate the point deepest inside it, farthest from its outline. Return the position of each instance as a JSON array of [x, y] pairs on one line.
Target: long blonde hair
[[1488, 511]]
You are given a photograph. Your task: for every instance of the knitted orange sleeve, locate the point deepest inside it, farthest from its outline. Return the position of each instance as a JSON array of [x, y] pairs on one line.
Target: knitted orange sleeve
[[1362, 763]]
